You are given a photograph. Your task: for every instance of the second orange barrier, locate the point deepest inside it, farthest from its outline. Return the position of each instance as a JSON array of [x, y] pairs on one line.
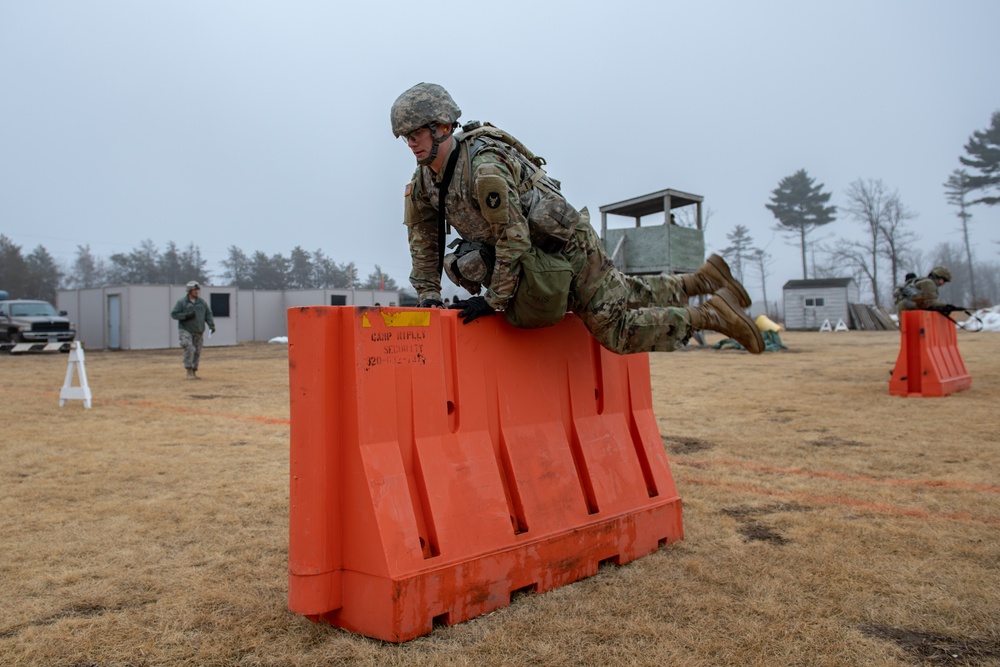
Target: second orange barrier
[[929, 363]]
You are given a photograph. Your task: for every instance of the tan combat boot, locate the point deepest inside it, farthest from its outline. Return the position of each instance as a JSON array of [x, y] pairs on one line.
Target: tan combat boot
[[190, 375], [722, 313], [712, 276]]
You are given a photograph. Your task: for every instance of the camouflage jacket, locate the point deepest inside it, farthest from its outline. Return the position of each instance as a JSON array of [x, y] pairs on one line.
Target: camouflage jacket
[[926, 296], [495, 197], [192, 316]]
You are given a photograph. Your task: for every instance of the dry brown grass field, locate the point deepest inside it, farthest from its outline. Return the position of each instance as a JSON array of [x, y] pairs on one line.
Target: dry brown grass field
[[826, 522]]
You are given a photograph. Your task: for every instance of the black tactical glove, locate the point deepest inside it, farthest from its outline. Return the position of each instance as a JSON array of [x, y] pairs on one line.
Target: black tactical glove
[[472, 308], [430, 303]]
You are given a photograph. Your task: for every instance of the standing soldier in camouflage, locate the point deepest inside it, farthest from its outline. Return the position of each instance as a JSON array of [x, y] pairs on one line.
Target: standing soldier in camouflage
[[536, 255], [923, 293], [192, 314]]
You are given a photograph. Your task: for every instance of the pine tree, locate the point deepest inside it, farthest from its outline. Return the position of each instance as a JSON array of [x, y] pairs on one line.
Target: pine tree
[[300, 275], [13, 269], [800, 207], [237, 267], [169, 266], [192, 265], [983, 149], [956, 189], [87, 271], [740, 250], [44, 275]]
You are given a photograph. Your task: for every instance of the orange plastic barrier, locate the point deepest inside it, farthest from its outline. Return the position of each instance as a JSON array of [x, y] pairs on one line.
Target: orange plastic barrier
[[437, 467], [929, 363]]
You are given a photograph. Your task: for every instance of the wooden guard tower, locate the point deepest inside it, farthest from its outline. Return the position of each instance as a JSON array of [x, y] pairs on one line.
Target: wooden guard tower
[[666, 248]]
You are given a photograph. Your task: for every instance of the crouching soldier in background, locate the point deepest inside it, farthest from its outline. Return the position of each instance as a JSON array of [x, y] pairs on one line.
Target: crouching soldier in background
[[922, 293], [192, 314], [536, 256]]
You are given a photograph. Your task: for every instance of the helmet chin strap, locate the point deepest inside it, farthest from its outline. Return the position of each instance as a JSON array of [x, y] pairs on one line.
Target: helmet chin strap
[[434, 148]]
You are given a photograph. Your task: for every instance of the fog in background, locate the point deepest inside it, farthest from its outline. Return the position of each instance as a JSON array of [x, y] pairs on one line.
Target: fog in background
[[265, 125]]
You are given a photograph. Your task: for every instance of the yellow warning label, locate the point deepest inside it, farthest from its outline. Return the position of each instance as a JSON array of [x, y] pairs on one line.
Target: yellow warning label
[[400, 319]]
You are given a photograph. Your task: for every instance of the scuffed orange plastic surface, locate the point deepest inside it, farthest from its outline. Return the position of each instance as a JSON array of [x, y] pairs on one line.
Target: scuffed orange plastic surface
[[437, 467], [929, 363]]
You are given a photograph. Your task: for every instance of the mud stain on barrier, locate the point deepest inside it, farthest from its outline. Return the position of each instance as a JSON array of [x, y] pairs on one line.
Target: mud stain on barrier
[[937, 649]]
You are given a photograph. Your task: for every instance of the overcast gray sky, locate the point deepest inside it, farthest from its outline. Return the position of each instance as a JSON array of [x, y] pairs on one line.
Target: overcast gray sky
[[265, 125]]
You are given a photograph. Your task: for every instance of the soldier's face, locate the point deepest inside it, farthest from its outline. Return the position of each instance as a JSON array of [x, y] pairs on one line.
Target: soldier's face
[[420, 143]]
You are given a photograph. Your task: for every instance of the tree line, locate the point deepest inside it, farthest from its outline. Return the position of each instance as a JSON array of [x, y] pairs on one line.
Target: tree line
[[885, 250], [38, 276]]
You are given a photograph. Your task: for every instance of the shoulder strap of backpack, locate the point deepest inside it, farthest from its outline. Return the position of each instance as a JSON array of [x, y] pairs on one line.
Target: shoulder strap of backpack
[[475, 130], [449, 171]]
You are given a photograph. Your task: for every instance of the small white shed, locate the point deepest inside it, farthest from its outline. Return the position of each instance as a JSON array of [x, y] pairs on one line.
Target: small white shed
[[809, 303]]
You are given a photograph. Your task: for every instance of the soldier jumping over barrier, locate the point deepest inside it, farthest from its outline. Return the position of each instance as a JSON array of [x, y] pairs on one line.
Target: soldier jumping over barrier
[[536, 256]]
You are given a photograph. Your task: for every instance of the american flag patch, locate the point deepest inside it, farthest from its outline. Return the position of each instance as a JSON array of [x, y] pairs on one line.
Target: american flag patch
[[409, 187]]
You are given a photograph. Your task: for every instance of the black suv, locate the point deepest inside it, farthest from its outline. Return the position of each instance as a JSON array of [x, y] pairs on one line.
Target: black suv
[[23, 321]]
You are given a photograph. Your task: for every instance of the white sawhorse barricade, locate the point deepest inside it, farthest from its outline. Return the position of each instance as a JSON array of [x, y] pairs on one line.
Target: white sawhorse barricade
[[81, 391], [841, 326]]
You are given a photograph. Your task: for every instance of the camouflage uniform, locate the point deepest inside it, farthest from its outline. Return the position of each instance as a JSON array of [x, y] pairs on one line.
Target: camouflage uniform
[[192, 318], [926, 296], [923, 292], [492, 201]]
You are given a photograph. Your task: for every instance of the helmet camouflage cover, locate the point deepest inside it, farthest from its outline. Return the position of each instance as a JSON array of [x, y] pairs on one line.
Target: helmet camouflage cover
[[942, 272], [422, 105]]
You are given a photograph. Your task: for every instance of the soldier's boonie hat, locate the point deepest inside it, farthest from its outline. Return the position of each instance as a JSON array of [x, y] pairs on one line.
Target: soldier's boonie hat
[[422, 105], [942, 272], [193, 285]]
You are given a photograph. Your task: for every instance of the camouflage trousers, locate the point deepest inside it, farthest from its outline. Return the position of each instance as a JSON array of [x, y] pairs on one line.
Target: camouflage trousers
[[624, 313], [192, 344]]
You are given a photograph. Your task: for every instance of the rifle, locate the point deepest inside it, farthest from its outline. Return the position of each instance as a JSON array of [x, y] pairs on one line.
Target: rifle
[[947, 309]]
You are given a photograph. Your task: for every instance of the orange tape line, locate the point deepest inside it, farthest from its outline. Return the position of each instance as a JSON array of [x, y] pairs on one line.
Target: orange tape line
[[160, 406], [204, 413], [847, 502], [841, 477]]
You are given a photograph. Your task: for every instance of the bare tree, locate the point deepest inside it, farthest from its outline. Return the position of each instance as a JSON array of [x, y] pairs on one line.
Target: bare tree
[[868, 203], [896, 239], [959, 290], [687, 217], [956, 190], [853, 256]]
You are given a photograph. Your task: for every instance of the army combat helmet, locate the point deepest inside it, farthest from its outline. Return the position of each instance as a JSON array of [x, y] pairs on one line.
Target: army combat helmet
[[424, 105], [942, 272]]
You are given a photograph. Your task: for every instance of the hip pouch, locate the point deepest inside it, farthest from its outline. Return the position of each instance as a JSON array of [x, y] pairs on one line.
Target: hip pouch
[[542, 293]]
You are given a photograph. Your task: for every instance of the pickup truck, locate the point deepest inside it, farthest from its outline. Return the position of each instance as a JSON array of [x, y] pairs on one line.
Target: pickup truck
[[24, 321]]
